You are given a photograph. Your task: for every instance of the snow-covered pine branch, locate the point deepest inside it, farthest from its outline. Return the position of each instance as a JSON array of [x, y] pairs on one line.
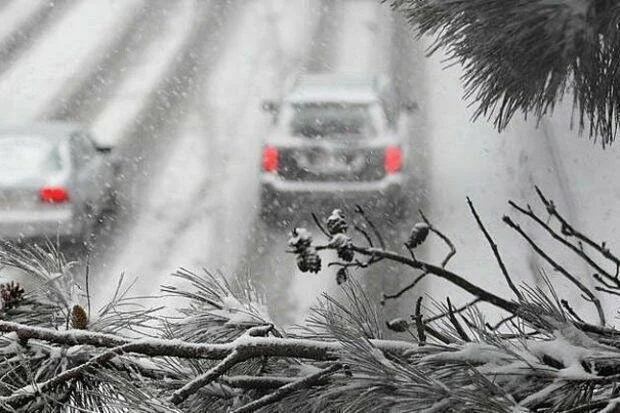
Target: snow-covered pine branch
[[526, 55], [224, 354]]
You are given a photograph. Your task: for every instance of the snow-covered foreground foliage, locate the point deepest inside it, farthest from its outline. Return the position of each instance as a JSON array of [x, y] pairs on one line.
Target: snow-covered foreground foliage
[[221, 351]]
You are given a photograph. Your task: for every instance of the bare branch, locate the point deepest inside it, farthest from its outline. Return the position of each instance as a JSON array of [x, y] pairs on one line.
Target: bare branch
[[235, 357], [495, 250], [318, 224], [364, 233], [455, 322], [458, 280], [558, 267], [456, 311], [371, 224], [445, 239], [579, 251], [571, 311], [418, 321], [602, 249], [405, 289], [501, 322]]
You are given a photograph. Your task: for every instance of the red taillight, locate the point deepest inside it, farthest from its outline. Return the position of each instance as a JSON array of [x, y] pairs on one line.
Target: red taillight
[[393, 160], [270, 158], [53, 194]]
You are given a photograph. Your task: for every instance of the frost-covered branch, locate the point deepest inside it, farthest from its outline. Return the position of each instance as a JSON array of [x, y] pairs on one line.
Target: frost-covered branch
[[225, 354], [572, 51]]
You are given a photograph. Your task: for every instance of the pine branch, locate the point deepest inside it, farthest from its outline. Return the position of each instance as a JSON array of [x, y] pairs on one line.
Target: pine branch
[[454, 278], [287, 389], [233, 358], [572, 47]]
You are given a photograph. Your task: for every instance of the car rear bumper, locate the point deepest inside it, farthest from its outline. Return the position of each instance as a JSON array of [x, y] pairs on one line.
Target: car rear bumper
[[283, 196], [388, 186], [52, 223]]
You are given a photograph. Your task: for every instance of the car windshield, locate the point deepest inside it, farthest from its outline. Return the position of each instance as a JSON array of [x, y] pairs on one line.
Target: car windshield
[[24, 158], [331, 119]]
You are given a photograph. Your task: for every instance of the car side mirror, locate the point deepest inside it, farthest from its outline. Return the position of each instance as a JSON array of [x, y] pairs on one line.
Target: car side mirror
[[410, 106], [271, 106]]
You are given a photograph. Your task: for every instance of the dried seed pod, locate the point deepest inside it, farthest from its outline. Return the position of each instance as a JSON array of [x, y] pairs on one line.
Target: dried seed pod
[[336, 224], [342, 276], [345, 254], [11, 294], [398, 324], [343, 246], [309, 260], [79, 318], [300, 239], [418, 235]]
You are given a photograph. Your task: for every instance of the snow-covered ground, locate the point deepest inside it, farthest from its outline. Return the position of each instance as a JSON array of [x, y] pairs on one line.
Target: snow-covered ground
[[56, 63], [209, 175]]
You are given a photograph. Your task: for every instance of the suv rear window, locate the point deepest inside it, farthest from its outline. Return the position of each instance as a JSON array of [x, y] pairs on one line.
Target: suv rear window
[[317, 120]]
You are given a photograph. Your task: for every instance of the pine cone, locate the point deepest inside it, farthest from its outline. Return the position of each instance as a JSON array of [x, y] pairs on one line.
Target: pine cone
[[418, 235], [300, 240], [336, 224], [343, 244], [342, 276], [398, 324], [79, 318], [11, 294], [309, 261]]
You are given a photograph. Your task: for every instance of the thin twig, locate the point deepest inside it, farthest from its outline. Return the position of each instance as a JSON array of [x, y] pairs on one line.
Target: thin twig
[[318, 224], [364, 233], [578, 251], [405, 289], [600, 279], [459, 329], [571, 311], [456, 310], [495, 250], [287, 389], [600, 248], [445, 261], [256, 383], [180, 395], [605, 290], [418, 321], [500, 322], [360, 211], [444, 238], [558, 267], [88, 285]]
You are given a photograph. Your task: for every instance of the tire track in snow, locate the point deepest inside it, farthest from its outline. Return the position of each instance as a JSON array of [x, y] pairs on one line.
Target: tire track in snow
[[86, 98], [140, 238], [361, 44], [23, 22], [263, 254], [208, 233], [29, 87]]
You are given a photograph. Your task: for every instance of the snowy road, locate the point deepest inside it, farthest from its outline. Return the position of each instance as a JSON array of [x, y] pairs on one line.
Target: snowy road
[[177, 87]]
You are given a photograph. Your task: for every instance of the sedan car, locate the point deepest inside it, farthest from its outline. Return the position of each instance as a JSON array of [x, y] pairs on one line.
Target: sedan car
[[54, 182], [335, 142]]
